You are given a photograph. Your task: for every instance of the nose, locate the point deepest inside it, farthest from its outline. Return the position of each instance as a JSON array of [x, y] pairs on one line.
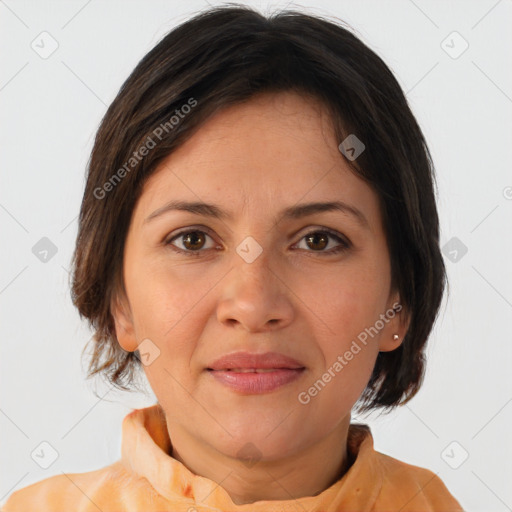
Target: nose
[[255, 297]]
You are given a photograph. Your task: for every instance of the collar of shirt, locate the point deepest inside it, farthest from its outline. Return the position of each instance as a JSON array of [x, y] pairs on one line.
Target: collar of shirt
[[145, 449]]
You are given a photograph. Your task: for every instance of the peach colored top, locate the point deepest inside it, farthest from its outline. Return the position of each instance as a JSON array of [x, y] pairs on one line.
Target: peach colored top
[[147, 479]]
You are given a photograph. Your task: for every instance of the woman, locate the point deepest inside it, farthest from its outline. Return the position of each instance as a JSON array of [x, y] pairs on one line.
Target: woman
[[259, 235]]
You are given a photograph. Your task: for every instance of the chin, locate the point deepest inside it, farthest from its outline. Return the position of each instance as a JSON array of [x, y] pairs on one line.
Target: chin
[[262, 437]]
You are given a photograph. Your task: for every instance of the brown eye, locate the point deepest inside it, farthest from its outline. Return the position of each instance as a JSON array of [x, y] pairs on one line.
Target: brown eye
[[193, 240], [317, 241]]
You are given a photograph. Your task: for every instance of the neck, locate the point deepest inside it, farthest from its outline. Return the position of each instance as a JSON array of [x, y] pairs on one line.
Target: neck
[[307, 473]]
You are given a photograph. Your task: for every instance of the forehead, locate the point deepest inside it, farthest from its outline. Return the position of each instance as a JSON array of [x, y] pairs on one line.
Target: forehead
[[274, 150]]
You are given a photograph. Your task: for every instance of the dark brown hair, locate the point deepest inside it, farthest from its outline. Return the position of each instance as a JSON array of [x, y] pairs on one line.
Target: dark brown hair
[[224, 56]]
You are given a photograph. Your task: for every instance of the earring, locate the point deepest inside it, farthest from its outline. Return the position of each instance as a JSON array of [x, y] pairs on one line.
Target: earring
[[396, 337]]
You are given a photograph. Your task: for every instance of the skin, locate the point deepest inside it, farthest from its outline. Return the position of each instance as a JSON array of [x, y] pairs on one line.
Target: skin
[[296, 298]]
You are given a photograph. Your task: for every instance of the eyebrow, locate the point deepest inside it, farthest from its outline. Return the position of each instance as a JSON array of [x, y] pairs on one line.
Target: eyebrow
[[292, 212]]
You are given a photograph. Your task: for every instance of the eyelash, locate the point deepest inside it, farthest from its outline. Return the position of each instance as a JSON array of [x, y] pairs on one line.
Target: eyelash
[[344, 244]]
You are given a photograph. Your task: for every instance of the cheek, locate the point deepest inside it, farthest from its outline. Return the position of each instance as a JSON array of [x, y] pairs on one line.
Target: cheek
[[345, 300], [157, 308], [167, 306], [344, 305], [168, 311]]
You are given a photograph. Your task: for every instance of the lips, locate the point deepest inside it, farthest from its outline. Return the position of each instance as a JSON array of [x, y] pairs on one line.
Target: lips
[[255, 373], [246, 362], [250, 370]]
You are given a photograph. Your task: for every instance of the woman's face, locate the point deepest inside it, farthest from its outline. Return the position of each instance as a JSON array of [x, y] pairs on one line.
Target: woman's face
[[242, 275]]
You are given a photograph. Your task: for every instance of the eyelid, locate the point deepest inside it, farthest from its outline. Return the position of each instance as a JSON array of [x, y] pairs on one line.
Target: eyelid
[[187, 229]]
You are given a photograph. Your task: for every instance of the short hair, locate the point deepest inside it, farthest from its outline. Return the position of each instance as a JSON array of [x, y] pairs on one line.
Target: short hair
[[223, 57]]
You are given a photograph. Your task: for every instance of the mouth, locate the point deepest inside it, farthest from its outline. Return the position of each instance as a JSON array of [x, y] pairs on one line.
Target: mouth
[[252, 373], [252, 370], [254, 362], [256, 381]]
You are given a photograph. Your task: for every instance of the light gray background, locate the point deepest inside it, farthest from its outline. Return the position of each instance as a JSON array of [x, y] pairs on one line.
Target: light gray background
[[51, 109]]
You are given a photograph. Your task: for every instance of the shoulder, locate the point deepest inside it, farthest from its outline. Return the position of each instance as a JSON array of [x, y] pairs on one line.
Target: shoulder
[[103, 489], [413, 488]]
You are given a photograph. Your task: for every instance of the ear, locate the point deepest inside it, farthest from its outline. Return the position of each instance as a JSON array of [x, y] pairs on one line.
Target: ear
[[123, 322], [397, 320]]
